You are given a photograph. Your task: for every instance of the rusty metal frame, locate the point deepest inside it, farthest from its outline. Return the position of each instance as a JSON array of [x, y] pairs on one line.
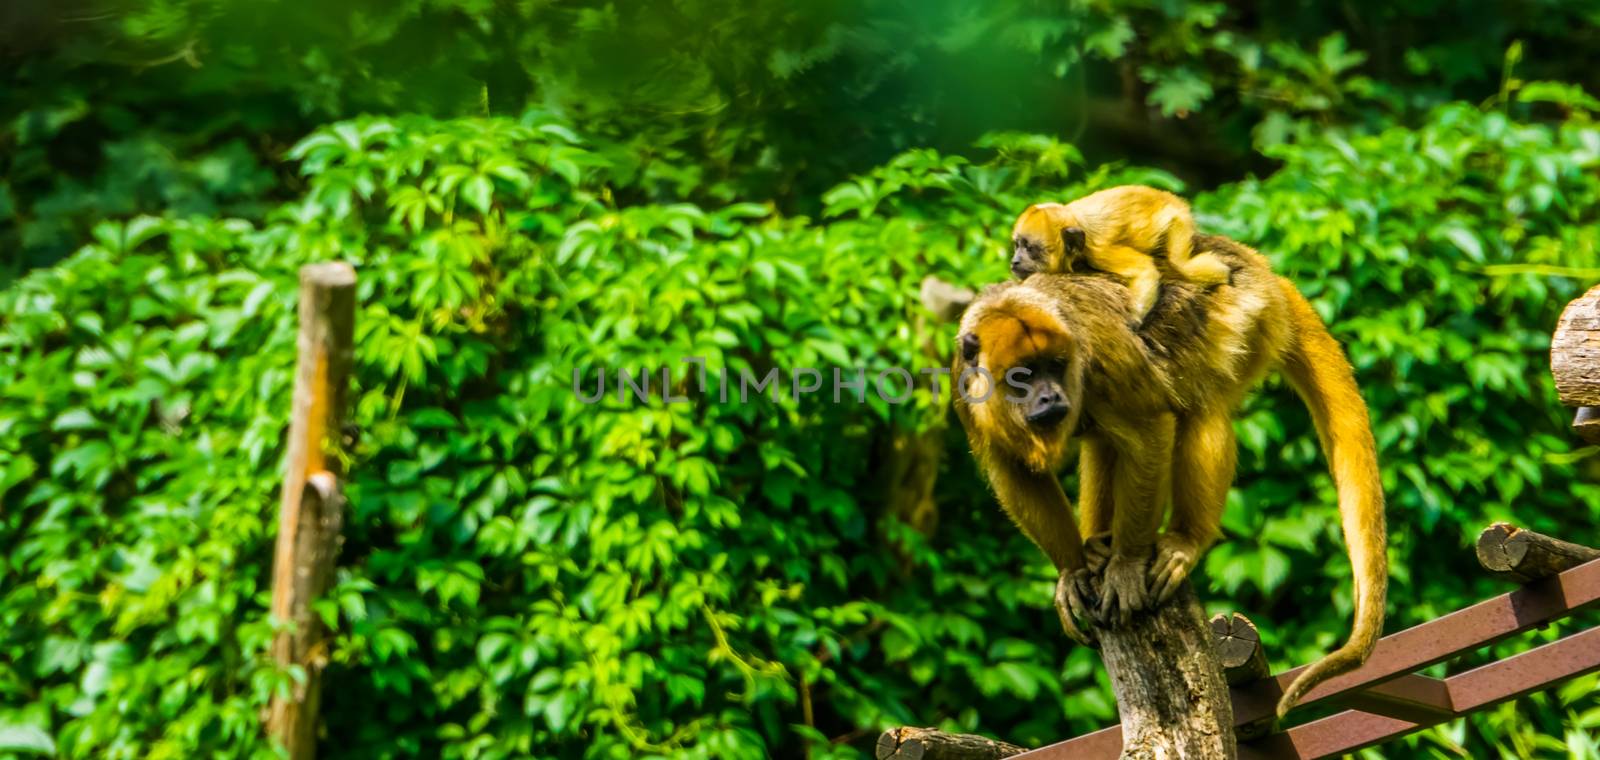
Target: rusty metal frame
[[1388, 699]]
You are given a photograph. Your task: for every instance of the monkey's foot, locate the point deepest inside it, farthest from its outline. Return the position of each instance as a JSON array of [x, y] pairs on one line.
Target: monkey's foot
[[1073, 589], [1175, 558], [1097, 551], [1123, 591]]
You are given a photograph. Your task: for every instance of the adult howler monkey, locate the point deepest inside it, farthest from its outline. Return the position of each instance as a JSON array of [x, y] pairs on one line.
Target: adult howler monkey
[[1154, 410]]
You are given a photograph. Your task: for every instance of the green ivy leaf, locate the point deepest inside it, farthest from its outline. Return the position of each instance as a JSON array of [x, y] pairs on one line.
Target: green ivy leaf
[[478, 191], [26, 739], [1177, 91]]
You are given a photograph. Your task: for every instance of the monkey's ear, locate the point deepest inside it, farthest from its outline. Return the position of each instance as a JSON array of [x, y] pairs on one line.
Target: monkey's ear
[[969, 346], [1073, 238]]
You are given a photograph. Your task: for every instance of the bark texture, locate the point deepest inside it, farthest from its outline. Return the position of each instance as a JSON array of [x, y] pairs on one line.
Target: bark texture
[[311, 513], [933, 744], [1575, 351], [1239, 648], [1586, 423], [1170, 690], [1523, 555], [912, 473]]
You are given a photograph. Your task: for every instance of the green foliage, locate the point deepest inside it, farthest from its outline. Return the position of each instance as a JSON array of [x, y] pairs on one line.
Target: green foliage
[[117, 109], [1431, 252], [659, 575], [1441, 257], [757, 187], [528, 573]]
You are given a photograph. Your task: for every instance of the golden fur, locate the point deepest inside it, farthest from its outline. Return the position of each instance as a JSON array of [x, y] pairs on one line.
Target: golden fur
[[1122, 229], [1154, 411]]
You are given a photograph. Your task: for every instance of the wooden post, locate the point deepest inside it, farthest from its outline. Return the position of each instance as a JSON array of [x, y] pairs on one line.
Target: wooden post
[[311, 513], [1575, 362], [1168, 678], [945, 300], [1586, 423], [1169, 686]]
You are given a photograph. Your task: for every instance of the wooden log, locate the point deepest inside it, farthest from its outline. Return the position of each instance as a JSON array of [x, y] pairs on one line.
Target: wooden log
[[1575, 351], [1239, 648], [311, 513], [945, 300], [1171, 695], [933, 744], [1522, 555], [1586, 423]]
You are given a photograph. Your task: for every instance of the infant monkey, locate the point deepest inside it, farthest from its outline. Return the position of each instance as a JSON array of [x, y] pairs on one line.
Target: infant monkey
[[1118, 231]]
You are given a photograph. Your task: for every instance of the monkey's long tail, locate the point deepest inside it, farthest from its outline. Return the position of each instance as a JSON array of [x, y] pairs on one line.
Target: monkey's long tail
[[1317, 368]]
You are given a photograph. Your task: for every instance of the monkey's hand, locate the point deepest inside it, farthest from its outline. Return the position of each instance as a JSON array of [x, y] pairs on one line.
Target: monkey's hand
[[1123, 590], [1096, 551], [1175, 557], [1073, 589]]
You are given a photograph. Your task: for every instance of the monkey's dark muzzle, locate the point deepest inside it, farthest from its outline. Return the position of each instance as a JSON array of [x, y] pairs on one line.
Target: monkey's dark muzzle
[[1021, 267], [1046, 414]]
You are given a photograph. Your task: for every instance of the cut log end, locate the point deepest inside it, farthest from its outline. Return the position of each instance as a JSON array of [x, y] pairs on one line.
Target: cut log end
[[1509, 552], [1239, 648], [328, 274], [1575, 351], [933, 744]]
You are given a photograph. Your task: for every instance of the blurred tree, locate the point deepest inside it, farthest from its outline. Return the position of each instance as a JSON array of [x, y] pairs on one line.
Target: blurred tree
[[117, 107]]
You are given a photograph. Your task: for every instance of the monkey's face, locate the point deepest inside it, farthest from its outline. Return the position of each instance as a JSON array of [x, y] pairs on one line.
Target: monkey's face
[[1046, 402], [1046, 238], [1021, 379]]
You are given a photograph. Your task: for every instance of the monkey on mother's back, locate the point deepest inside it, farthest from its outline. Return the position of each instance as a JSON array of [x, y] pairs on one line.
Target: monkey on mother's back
[[1154, 409], [1119, 230]]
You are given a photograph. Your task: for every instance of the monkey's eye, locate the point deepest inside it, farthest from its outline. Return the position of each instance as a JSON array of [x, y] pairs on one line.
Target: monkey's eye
[[1053, 366], [969, 346]]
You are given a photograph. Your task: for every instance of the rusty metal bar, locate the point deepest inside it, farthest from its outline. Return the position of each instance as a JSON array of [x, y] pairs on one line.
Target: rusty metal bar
[[1329, 737], [1530, 671], [1387, 679], [1105, 743], [1435, 641], [1476, 689], [1411, 697]]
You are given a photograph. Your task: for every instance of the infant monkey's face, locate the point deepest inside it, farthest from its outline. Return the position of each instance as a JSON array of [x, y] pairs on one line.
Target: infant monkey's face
[[1046, 238], [1027, 256]]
